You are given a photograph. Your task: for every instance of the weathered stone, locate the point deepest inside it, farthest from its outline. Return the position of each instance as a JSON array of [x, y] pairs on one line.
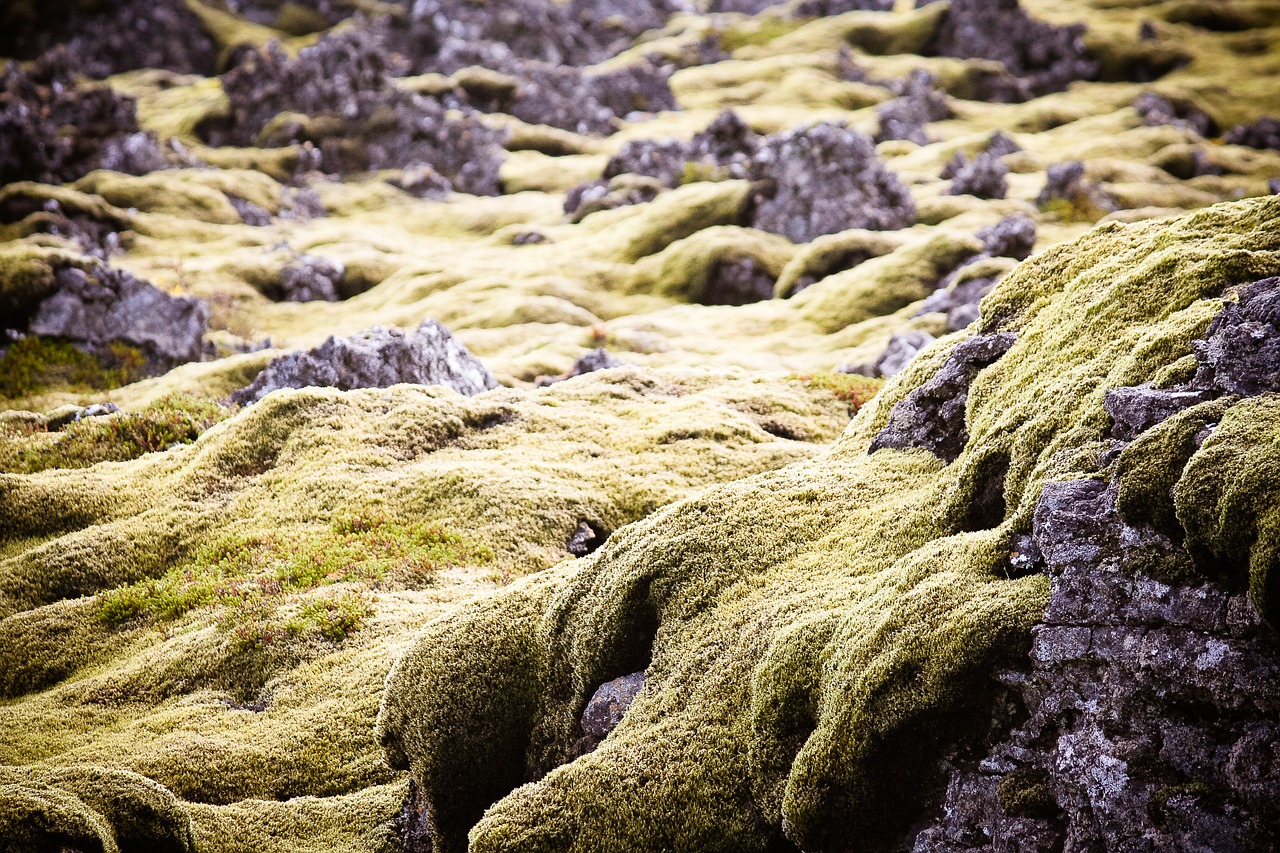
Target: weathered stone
[[606, 709], [310, 278], [1263, 133], [737, 280], [105, 305], [982, 177], [918, 104], [597, 359], [1159, 110], [377, 358], [932, 416], [901, 348]]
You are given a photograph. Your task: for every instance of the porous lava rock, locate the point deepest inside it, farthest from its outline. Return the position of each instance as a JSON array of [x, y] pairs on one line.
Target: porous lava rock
[[53, 130], [377, 358], [311, 278], [823, 179], [338, 97], [605, 710], [918, 104], [1263, 133], [103, 305], [985, 176], [1156, 110], [1040, 58], [597, 359], [110, 37], [932, 416]]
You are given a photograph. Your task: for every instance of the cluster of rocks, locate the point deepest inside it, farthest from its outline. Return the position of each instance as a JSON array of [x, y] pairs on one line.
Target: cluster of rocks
[[338, 97], [810, 181], [54, 131], [1263, 133], [376, 358], [311, 278], [92, 230], [917, 104], [958, 294], [1146, 715], [98, 306], [109, 38], [1038, 57]]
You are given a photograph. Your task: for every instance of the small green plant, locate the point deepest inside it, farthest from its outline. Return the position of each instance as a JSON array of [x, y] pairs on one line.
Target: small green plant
[[850, 388], [35, 364], [257, 586], [174, 419], [1025, 793]]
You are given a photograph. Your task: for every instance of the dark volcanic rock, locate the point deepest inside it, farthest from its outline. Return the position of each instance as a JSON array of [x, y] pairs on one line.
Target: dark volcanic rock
[[1240, 353], [737, 280], [824, 179], [1157, 109], [809, 8], [311, 279], [606, 709], [918, 104], [982, 177], [597, 359], [586, 537], [54, 131], [902, 347], [1263, 133], [932, 416], [353, 115], [1011, 237], [110, 37], [1066, 182], [104, 305], [377, 358], [1145, 717], [529, 29], [1040, 58], [615, 24]]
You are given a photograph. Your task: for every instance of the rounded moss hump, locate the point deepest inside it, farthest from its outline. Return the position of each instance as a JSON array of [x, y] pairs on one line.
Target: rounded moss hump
[[815, 638]]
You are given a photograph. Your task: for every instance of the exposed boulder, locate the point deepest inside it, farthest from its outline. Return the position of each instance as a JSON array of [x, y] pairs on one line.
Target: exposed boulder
[[1040, 58], [606, 709], [377, 358], [1011, 237], [1065, 182], [310, 278], [597, 359], [982, 177], [1263, 133], [53, 130], [109, 38], [1158, 110], [933, 415], [918, 104], [823, 179], [737, 279], [338, 97], [902, 347], [103, 305]]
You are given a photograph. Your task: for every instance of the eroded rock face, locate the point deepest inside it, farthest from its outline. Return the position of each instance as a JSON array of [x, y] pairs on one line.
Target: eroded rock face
[[311, 278], [597, 359], [108, 38], [338, 97], [982, 177], [824, 179], [53, 131], [378, 358], [932, 416], [1039, 57], [104, 305], [919, 103]]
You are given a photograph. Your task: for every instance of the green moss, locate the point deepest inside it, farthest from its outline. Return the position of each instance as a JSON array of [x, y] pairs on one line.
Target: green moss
[[1025, 793], [849, 388], [35, 363], [171, 420], [1227, 503], [1208, 797], [813, 638]]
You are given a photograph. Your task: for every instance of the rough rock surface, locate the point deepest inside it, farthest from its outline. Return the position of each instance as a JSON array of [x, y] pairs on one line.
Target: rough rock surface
[[1158, 110], [109, 38], [918, 104], [379, 358], [1263, 133], [597, 359], [311, 278], [53, 130], [823, 179], [1039, 57], [932, 416], [902, 347], [103, 305], [607, 707], [338, 97], [1066, 182], [983, 177]]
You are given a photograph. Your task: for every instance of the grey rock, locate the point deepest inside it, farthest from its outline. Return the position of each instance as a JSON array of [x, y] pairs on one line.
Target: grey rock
[[310, 278], [597, 359], [1159, 110], [932, 416], [103, 305], [1135, 410], [377, 358], [824, 179], [607, 707], [1011, 237], [1240, 353], [1039, 58], [982, 177], [737, 280], [919, 103], [902, 347], [1263, 133]]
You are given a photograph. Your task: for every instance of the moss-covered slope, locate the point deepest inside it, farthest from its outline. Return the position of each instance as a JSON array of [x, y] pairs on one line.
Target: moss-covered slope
[[814, 637]]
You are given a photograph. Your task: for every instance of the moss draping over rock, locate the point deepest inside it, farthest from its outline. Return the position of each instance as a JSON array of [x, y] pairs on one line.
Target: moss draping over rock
[[814, 637]]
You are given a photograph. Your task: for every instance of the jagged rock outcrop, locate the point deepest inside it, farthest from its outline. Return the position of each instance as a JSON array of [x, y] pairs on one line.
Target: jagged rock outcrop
[[378, 358]]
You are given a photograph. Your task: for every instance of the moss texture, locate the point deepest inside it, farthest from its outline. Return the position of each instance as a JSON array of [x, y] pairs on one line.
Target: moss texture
[[814, 637]]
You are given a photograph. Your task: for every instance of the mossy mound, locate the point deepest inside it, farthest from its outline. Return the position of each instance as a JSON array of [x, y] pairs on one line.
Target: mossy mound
[[813, 638]]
